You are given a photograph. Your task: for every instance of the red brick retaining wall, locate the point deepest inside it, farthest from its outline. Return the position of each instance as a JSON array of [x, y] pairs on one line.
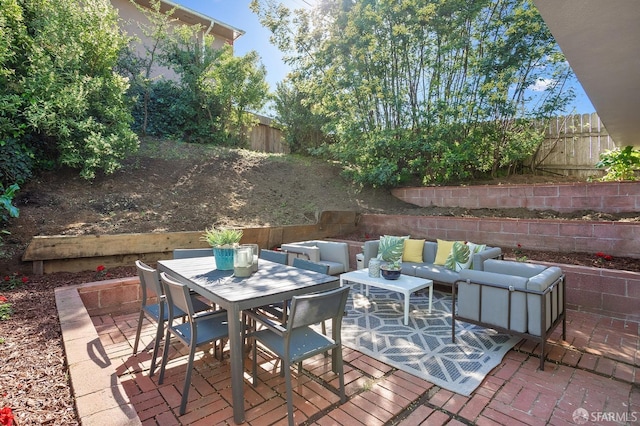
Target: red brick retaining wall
[[614, 238], [605, 292], [117, 296], [606, 197]]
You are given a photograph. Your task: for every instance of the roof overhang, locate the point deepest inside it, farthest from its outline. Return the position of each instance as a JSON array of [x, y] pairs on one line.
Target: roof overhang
[[601, 41]]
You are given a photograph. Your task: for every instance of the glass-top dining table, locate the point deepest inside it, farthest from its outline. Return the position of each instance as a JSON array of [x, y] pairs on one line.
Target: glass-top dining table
[[272, 283]]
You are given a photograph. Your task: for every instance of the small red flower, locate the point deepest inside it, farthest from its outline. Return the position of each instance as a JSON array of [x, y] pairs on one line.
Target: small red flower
[[600, 254], [7, 278], [519, 245], [3, 299], [6, 417], [24, 280], [607, 257], [100, 268]]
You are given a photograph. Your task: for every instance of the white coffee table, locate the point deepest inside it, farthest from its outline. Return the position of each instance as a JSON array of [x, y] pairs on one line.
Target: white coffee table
[[406, 285]]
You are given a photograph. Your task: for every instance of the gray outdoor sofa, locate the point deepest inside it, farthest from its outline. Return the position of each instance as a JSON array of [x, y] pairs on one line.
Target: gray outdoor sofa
[[427, 269], [523, 299]]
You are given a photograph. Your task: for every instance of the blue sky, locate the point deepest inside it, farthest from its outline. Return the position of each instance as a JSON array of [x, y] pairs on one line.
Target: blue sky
[[237, 14]]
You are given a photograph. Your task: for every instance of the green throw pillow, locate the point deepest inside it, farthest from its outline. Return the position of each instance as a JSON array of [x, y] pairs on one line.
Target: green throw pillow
[[460, 257], [391, 247], [474, 248]]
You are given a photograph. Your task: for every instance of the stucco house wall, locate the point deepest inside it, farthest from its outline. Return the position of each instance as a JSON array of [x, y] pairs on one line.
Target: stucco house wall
[[132, 18]]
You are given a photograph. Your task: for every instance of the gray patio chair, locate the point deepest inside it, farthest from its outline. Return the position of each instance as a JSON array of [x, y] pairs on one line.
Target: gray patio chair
[[154, 307], [297, 341], [274, 309], [277, 309], [200, 328], [274, 256], [189, 253]]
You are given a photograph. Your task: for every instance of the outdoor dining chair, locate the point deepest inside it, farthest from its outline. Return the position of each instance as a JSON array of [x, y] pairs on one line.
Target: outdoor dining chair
[[274, 256], [310, 265], [155, 308], [296, 340], [201, 328]]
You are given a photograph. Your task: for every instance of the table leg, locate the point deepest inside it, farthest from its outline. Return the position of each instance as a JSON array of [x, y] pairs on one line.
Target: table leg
[[237, 364], [430, 297], [407, 295]]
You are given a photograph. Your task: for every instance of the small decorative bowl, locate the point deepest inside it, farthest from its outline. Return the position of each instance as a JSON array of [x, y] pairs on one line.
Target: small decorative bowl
[[389, 274]]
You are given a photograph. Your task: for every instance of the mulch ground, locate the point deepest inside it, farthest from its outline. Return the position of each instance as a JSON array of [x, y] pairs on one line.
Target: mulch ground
[[33, 371]]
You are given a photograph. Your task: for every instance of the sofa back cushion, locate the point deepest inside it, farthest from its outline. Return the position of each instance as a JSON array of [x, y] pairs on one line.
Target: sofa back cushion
[[443, 252], [493, 307], [412, 251], [429, 252], [509, 267]]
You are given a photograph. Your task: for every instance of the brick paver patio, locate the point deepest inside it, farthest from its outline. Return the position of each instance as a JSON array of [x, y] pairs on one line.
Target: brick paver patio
[[597, 370]]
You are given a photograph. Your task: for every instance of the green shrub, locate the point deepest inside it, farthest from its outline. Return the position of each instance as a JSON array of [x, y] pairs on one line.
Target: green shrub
[[620, 164]]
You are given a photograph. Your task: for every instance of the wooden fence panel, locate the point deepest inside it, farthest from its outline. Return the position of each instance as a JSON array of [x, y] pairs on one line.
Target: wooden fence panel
[[265, 138], [573, 145]]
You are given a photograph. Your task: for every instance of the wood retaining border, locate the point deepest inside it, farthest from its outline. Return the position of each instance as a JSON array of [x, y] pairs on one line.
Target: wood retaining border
[[66, 253]]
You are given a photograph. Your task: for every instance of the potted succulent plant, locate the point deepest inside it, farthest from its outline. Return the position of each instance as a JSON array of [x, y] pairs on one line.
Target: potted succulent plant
[[391, 270], [223, 241]]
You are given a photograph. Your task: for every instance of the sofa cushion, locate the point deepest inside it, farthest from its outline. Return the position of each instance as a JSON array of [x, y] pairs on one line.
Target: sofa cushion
[[444, 249], [434, 273], [459, 258], [474, 249], [429, 252], [391, 247], [509, 267], [334, 267], [412, 251]]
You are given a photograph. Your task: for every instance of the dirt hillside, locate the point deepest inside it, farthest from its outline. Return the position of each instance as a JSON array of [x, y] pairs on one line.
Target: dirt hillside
[[182, 187]]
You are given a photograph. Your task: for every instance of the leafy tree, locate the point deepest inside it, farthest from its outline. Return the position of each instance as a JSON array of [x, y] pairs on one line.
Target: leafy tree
[[439, 90], [239, 85], [140, 67], [218, 89], [302, 128], [76, 100], [16, 158], [61, 99]]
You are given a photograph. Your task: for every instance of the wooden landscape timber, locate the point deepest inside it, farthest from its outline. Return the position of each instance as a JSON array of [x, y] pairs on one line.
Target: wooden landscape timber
[[65, 253]]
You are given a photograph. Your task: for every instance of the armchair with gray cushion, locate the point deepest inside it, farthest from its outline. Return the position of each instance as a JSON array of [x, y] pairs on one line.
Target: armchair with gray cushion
[[332, 253], [522, 299]]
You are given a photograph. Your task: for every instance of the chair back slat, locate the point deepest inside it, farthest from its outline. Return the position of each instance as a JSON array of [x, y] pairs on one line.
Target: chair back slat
[[311, 266], [149, 280], [314, 308], [274, 256], [189, 253], [177, 295]]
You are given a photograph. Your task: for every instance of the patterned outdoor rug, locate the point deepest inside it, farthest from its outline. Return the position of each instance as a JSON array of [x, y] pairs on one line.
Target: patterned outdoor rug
[[374, 326]]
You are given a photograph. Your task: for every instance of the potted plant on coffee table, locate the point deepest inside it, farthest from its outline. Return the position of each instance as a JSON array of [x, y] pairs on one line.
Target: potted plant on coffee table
[[223, 241], [391, 270]]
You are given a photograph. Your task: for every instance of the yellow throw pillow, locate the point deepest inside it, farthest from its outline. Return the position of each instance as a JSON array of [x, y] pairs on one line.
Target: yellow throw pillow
[[412, 251], [443, 252]]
